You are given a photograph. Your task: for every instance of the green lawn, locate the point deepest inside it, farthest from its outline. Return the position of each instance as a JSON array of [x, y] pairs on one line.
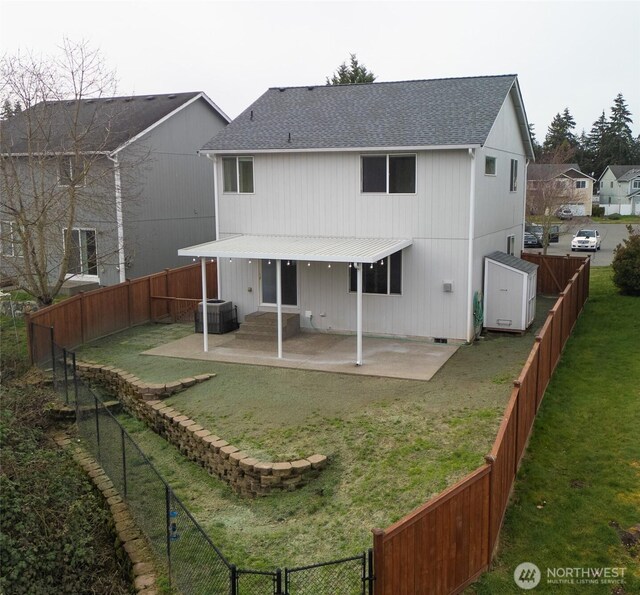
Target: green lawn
[[581, 474], [391, 443]]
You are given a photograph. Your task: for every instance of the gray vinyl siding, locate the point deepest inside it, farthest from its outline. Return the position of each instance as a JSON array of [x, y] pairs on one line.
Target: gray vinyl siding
[[170, 203]]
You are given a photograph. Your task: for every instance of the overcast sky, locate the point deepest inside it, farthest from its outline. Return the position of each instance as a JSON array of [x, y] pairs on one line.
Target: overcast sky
[[578, 55]]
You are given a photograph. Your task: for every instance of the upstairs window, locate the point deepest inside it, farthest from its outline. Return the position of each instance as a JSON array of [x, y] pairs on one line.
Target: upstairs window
[[636, 184], [581, 184], [511, 245], [383, 277], [237, 175], [389, 174], [513, 183], [490, 166]]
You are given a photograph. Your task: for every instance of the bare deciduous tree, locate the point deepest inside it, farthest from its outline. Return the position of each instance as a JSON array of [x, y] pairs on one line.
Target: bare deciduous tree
[[56, 167], [551, 190]]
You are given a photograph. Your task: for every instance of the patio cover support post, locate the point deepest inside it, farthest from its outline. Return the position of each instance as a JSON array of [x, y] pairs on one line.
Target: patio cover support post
[[359, 316], [205, 317], [279, 304]]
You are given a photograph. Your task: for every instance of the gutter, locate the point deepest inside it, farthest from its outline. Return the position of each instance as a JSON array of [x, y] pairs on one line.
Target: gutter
[[119, 219], [472, 209], [214, 159]]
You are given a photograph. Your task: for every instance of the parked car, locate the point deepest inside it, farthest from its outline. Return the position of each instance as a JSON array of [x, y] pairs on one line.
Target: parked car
[[565, 213], [531, 240], [538, 230], [586, 239]]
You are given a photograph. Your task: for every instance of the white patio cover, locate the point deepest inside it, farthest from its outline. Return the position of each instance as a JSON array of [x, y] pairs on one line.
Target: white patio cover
[[315, 249], [300, 248]]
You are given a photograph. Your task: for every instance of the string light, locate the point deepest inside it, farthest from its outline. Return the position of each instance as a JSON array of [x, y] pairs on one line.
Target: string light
[[249, 261], [288, 262], [350, 265], [308, 264], [371, 266], [329, 265]]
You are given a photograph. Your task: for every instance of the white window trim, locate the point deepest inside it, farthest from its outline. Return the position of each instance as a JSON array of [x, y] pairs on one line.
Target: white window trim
[[387, 155], [387, 264], [635, 184], [513, 180], [253, 174], [495, 162], [511, 244], [67, 183], [82, 276], [584, 182]]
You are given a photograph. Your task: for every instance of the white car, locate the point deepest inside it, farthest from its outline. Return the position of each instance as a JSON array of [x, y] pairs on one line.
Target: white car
[[586, 239]]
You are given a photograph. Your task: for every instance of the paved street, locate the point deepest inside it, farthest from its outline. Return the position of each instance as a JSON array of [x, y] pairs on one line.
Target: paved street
[[612, 235]]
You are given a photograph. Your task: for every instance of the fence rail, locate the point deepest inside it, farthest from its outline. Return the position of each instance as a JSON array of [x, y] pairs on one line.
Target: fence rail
[[441, 547], [94, 314], [444, 545], [193, 563]]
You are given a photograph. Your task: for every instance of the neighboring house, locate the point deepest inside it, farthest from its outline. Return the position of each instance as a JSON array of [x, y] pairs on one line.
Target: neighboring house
[[149, 193], [567, 185], [405, 185], [619, 187]]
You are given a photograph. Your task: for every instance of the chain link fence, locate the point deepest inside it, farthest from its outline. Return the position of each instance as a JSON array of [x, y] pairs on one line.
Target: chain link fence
[[195, 566]]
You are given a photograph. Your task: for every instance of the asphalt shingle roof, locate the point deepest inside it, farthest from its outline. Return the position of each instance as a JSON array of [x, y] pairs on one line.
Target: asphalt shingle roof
[[108, 122], [620, 170], [548, 171], [441, 112], [512, 261]]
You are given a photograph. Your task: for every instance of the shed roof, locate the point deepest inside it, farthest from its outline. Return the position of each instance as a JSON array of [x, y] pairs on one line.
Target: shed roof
[[106, 122], [313, 249], [442, 112], [513, 262]]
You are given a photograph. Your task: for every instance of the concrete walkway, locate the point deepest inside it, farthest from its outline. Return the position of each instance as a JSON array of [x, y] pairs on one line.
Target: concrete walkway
[[393, 358]]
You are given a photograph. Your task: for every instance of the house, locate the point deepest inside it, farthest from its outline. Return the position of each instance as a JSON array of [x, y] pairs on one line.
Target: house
[[556, 185], [130, 167], [369, 208], [619, 187]]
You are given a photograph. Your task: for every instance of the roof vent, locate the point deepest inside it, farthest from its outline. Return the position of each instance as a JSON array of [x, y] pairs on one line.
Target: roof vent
[[172, 96], [110, 100], [128, 98], [90, 101], [282, 89], [251, 116], [310, 88], [151, 98]]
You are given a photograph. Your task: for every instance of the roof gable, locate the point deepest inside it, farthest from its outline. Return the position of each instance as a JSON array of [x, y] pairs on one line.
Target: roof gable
[[103, 124], [442, 113], [543, 172], [621, 171]]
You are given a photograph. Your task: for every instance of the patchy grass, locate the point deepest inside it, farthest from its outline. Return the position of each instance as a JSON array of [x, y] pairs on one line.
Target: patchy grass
[[391, 443], [622, 219], [579, 485]]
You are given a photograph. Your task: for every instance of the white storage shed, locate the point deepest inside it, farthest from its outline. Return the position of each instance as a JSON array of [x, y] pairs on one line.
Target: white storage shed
[[509, 292]]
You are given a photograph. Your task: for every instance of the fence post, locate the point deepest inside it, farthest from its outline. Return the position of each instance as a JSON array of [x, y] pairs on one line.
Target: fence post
[[378, 560], [233, 574], [53, 359], [124, 462], [66, 376], [167, 498], [83, 329], [75, 386], [516, 384], [369, 575], [490, 459], [278, 580], [95, 399]]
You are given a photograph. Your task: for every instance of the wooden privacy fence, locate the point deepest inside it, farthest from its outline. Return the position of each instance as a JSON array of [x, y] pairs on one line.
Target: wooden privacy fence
[[444, 545], [94, 314], [554, 272]]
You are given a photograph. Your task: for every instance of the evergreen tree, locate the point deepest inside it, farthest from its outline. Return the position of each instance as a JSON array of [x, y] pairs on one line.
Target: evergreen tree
[[537, 148], [618, 143], [352, 74], [7, 110], [595, 158], [560, 132]]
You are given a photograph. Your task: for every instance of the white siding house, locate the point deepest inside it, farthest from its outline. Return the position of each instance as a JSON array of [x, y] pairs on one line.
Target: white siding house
[[619, 187], [426, 177]]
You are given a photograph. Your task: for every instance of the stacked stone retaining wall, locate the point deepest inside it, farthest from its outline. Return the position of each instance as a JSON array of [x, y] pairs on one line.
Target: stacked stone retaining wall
[[246, 475]]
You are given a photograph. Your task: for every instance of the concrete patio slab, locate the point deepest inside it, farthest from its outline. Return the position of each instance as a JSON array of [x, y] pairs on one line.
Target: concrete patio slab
[[393, 358]]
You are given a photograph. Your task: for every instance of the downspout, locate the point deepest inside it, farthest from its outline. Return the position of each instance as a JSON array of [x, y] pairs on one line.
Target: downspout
[[214, 158], [119, 220], [472, 217]]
